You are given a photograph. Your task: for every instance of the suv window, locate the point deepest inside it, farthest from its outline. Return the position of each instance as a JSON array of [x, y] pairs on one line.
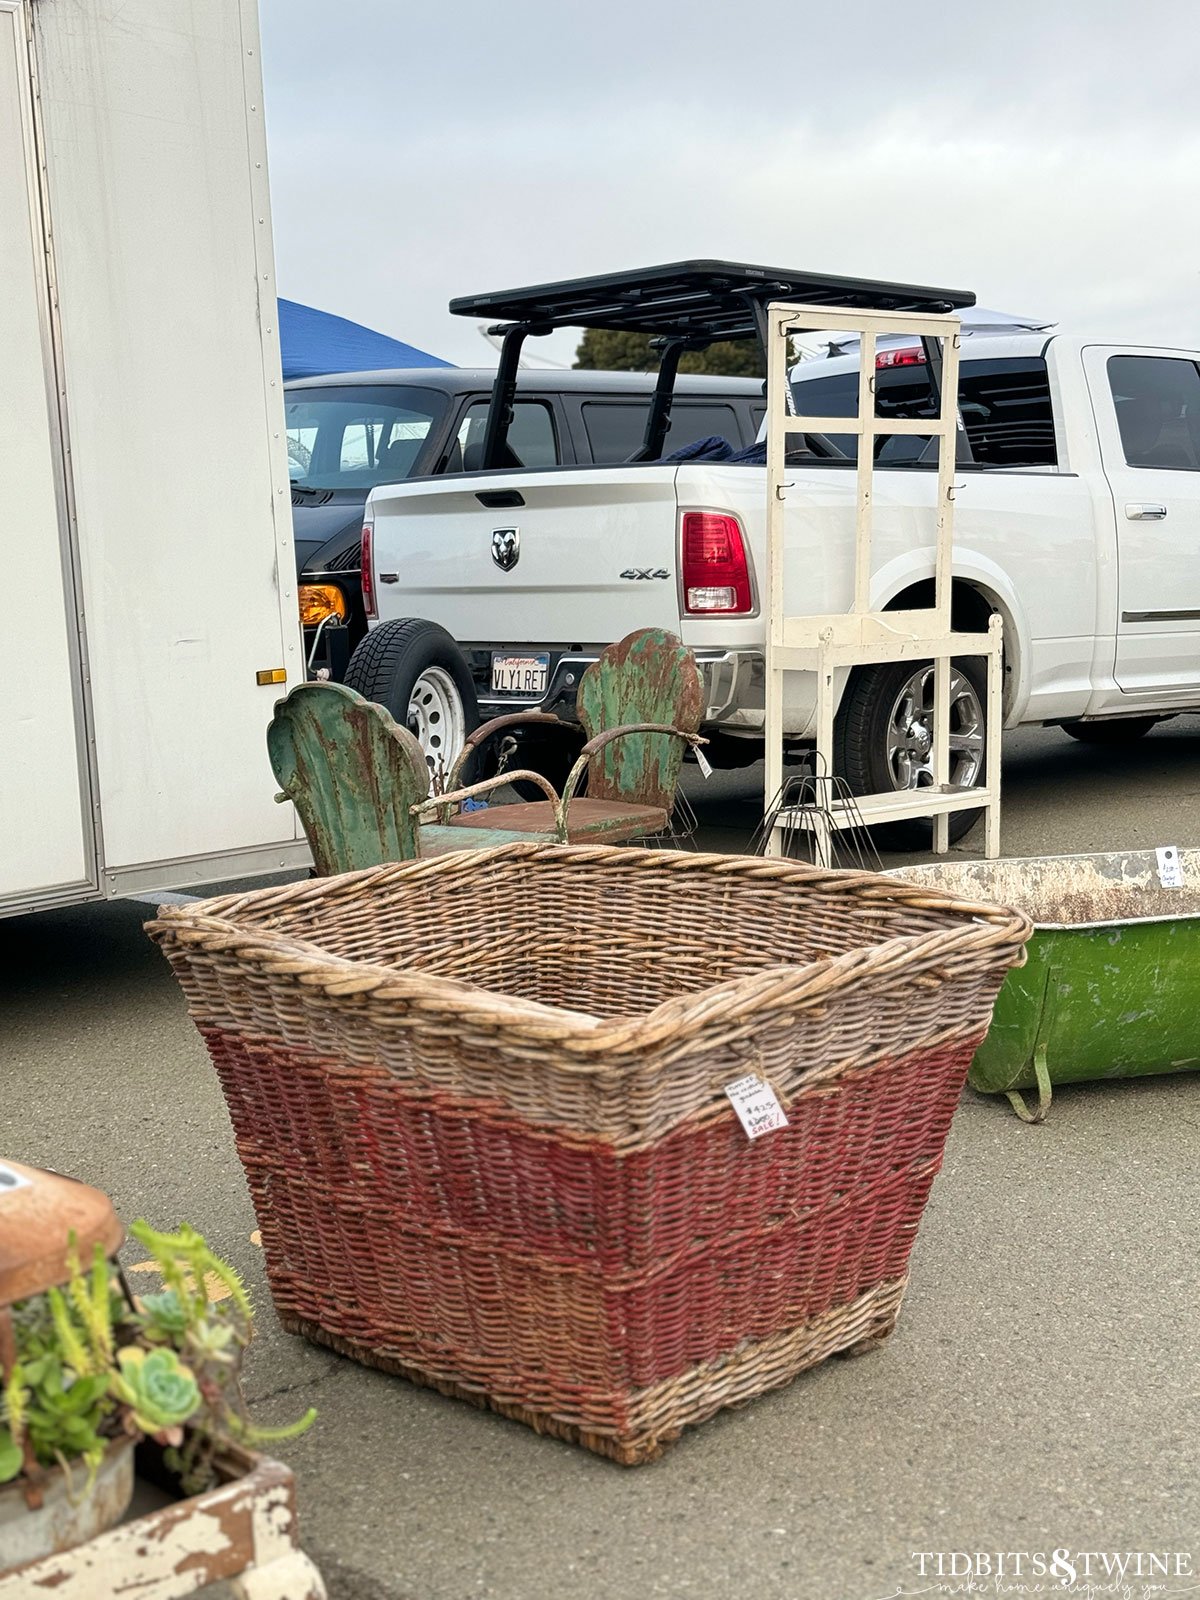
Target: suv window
[[353, 438], [616, 428], [1005, 407], [1158, 410], [531, 435]]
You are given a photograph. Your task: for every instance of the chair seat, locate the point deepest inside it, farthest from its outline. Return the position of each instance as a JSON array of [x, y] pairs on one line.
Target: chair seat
[[436, 839], [607, 820]]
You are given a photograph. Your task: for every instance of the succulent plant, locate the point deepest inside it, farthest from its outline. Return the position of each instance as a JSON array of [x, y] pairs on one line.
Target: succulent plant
[[89, 1365], [11, 1460], [204, 1314], [164, 1316], [159, 1390]]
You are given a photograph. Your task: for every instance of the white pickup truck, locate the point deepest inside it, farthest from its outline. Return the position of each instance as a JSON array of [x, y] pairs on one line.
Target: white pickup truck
[[1077, 518]]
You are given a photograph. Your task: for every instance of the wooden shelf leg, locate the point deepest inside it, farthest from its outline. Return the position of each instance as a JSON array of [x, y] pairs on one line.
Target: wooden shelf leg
[[995, 730], [941, 748], [824, 768], [773, 750]]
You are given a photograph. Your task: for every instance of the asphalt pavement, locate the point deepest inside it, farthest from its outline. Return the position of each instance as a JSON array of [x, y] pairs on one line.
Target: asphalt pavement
[[1040, 1393]]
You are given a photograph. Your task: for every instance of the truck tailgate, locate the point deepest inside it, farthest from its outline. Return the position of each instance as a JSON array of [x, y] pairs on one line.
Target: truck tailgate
[[591, 550]]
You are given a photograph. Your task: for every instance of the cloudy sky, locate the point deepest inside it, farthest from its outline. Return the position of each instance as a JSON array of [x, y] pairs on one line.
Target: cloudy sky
[[1046, 155]]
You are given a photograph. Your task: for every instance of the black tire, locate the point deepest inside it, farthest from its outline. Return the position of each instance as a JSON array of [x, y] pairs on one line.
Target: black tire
[[388, 663], [1123, 730], [860, 747]]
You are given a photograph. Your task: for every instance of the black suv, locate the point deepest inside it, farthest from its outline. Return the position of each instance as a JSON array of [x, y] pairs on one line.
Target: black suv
[[349, 431]]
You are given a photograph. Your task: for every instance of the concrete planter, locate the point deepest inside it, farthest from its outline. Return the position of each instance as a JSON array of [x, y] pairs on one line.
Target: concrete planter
[[68, 1515]]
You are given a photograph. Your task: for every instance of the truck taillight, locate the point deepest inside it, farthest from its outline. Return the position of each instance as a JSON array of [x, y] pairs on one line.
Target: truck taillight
[[368, 577], [906, 356], [716, 575]]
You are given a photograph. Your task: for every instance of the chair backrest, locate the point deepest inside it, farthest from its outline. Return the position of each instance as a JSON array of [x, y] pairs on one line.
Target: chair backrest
[[646, 677], [352, 775]]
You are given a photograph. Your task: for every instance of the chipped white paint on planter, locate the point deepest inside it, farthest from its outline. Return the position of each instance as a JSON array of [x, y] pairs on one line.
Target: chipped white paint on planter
[[243, 1532]]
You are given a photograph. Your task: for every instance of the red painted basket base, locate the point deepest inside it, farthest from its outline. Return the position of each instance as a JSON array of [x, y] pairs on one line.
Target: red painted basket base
[[658, 1415]]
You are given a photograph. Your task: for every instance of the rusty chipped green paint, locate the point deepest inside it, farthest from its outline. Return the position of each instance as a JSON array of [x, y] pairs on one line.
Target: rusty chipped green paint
[[351, 772], [647, 677], [1111, 987], [354, 776], [1106, 1002]]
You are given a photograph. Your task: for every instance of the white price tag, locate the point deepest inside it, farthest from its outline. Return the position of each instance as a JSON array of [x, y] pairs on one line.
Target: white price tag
[[758, 1110], [10, 1180], [705, 768], [1170, 868]]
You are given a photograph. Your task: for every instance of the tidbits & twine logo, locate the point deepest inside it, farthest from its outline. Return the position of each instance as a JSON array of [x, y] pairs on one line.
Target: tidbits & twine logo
[[1092, 1574]]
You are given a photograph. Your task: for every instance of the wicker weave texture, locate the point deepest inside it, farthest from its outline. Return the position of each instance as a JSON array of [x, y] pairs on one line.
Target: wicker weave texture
[[656, 1417], [480, 1104], [443, 1164]]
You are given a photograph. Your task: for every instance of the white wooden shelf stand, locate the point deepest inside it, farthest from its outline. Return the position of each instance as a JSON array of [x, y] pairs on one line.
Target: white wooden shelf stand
[[829, 645]]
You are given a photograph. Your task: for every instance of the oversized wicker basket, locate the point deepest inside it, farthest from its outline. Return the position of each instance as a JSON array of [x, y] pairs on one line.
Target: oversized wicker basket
[[480, 1102]]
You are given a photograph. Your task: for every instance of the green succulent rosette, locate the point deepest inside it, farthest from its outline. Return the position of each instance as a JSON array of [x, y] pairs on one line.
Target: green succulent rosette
[[160, 1391], [164, 1316]]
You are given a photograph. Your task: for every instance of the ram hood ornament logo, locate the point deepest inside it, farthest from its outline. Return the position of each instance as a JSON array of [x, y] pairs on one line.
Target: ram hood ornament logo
[[506, 548]]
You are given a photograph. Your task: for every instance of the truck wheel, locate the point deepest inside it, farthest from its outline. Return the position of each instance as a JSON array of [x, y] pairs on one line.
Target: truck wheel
[[415, 669], [883, 740], [1122, 730]]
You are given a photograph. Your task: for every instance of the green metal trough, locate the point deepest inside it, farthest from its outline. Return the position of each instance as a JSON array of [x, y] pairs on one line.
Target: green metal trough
[[1111, 988]]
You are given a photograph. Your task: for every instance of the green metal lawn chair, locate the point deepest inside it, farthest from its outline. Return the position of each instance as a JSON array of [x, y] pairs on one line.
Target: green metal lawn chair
[[358, 781], [640, 706]]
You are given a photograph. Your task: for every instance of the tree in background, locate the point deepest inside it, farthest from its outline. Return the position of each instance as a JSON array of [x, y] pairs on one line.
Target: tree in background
[[605, 350]]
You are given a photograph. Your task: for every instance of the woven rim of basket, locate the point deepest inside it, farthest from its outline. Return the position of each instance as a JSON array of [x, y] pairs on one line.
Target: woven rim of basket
[[987, 934]]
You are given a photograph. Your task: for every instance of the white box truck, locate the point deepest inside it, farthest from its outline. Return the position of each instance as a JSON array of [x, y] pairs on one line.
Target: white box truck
[[149, 615]]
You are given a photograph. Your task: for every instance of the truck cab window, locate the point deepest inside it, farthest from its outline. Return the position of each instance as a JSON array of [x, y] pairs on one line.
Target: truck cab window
[[1157, 399], [897, 395], [1005, 406], [1007, 412]]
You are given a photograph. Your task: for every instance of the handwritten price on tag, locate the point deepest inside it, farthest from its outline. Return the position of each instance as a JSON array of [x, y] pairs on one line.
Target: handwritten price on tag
[[758, 1109], [1170, 868]]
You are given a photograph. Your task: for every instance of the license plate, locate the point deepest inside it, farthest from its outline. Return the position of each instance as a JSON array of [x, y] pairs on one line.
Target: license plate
[[520, 674]]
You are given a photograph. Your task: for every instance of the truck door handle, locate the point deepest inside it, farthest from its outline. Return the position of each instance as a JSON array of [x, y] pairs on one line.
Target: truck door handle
[[1137, 512]]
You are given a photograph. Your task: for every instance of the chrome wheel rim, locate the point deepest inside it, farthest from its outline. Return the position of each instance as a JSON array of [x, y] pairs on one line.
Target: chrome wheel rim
[[910, 732], [436, 720]]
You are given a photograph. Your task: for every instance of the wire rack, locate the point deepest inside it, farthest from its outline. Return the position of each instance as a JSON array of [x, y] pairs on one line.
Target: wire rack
[[803, 801]]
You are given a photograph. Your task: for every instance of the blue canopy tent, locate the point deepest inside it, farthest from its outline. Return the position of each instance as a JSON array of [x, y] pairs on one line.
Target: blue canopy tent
[[314, 342]]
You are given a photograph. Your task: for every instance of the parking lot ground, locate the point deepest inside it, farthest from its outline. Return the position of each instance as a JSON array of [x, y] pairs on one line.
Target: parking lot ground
[[1041, 1391]]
